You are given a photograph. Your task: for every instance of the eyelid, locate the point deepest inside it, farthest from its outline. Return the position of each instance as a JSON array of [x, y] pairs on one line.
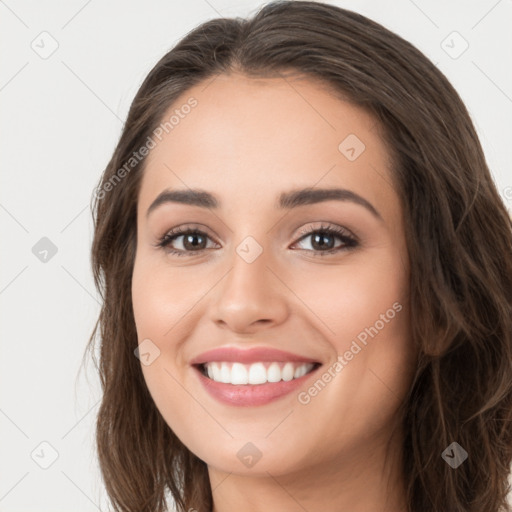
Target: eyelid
[[349, 240], [328, 226], [183, 230]]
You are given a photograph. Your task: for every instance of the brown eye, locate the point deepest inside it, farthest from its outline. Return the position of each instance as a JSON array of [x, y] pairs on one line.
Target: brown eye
[[190, 240], [322, 240]]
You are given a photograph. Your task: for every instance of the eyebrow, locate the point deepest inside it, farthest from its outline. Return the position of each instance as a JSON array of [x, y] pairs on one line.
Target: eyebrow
[[287, 200]]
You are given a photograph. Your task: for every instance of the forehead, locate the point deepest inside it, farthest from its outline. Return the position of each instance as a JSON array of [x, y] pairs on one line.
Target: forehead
[[258, 137]]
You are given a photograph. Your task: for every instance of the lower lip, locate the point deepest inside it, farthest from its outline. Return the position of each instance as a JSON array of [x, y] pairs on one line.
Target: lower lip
[[251, 394]]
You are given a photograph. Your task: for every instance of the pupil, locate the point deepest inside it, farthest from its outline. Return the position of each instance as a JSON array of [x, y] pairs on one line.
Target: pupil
[[190, 237], [319, 239]]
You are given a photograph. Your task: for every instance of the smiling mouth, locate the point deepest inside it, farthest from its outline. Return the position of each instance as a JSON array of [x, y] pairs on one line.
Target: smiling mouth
[[235, 373]]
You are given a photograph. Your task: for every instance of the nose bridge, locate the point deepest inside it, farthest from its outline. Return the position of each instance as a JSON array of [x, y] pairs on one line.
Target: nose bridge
[[250, 293]]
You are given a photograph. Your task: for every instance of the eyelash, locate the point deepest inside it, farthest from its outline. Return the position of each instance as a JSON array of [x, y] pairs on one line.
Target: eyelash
[[349, 241]]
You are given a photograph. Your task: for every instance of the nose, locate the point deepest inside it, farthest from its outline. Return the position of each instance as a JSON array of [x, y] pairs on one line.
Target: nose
[[250, 297]]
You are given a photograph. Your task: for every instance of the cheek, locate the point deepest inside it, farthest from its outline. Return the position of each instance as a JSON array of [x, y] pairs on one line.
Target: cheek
[[364, 312], [163, 295], [367, 315], [351, 298]]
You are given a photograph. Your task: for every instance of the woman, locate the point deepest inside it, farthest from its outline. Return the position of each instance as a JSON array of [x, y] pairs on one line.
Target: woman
[[307, 279]]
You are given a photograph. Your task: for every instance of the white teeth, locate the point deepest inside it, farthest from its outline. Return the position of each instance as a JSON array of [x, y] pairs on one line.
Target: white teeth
[[273, 373], [216, 373], [239, 374], [256, 373], [225, 373], [299, 372], [288, 371]]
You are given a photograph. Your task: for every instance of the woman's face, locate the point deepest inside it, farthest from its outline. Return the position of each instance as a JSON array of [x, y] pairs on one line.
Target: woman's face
[[262, 272]]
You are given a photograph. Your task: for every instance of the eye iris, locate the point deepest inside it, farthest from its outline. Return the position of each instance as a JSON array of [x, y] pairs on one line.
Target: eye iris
[[319, 239], [189, 237]]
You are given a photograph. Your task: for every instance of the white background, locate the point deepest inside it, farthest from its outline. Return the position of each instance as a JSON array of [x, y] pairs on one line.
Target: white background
[[61, 118]]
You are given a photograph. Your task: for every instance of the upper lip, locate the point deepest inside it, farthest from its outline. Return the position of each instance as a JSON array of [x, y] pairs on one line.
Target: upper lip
[[250, 355]]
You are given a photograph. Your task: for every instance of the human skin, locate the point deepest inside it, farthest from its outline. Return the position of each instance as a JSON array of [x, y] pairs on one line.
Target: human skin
[[247, 141]]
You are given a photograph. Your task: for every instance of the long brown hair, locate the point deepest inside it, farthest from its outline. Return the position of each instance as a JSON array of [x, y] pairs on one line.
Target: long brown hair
[[459, 238]]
